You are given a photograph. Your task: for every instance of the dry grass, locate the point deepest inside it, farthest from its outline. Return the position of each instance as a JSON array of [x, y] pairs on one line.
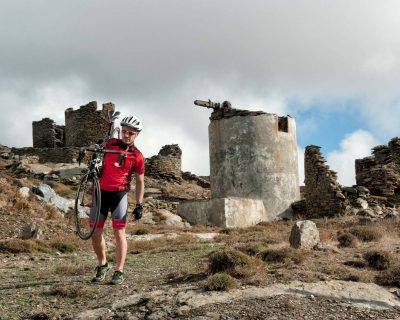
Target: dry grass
[[220, 282], [71, 292], [24, 246], [69, 269], [64, 190], [264, 233], [379, 260], [366, 233], [162, 243], [283, 255]]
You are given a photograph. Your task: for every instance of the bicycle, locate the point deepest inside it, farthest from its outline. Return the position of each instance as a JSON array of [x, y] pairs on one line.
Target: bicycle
[[88, 195]]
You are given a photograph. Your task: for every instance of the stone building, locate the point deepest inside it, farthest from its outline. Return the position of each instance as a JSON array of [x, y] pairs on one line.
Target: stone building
[[46, 134], [167, 164], [253, 169], [56, 143], [86, 125], [323, 194], [380, 173]]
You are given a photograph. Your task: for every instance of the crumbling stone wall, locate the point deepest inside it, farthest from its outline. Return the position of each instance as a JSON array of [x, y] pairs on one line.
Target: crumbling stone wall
[[323, 193], [380, 173], [46, 134], [167, 164], [87, 125], [55, 155]]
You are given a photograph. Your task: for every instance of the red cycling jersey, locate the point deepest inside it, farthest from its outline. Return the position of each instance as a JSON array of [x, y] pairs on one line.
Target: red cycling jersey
[[115, 178]]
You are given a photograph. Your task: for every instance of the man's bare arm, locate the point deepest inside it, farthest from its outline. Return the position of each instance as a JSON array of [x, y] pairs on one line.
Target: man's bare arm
[[139, 187]]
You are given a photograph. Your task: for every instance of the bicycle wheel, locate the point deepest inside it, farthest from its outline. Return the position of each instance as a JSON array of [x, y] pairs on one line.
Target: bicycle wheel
[[87, 206]]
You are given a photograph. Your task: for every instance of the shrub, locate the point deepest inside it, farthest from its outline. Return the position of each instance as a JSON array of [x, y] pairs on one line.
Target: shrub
[[282, 255], [220, 282], [251, 249], [379, 260], [233, 262], [142, 231], [63, 247], [390, 277], [366, 233], [347, 240]]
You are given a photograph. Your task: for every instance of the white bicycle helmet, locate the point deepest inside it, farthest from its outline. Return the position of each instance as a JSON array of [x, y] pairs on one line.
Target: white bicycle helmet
[[132, 122]]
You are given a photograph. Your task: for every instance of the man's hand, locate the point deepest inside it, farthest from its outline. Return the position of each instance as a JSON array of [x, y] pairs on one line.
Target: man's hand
[[138, 211]]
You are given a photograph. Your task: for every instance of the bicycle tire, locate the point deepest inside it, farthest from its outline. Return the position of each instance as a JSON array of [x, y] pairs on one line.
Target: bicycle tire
[[87, 181]]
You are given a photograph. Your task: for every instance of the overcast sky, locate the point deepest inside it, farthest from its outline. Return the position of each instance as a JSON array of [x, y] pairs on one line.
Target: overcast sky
[[333, 65]]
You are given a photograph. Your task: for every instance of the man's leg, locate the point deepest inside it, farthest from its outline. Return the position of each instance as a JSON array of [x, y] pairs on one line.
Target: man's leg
[[99, 246], [121, 248]]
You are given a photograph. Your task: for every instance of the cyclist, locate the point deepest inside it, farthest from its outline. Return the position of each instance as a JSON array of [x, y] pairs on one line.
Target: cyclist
[[115, 179]]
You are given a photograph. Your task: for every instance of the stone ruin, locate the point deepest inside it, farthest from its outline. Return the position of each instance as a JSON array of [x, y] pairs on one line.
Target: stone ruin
[[375, 195], [167, 164], [323, 194], [380, 173], [57, 143], [253, 168]]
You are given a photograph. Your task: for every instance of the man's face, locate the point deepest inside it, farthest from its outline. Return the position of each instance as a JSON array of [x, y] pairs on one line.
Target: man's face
[[128, 135]]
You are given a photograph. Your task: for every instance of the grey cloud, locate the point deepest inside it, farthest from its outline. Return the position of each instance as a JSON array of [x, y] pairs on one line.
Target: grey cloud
[[155, 57]]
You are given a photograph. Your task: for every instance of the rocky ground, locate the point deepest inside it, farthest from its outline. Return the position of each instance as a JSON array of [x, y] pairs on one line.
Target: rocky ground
[[175, 270]]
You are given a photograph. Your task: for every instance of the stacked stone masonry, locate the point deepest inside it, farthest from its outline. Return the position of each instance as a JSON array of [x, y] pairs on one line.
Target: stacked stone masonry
[[167, 164], [380, 173], [46, 134], [87, 125], [323, 194]]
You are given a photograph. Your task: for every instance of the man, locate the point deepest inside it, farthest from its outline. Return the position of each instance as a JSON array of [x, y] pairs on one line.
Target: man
[[115, 182]]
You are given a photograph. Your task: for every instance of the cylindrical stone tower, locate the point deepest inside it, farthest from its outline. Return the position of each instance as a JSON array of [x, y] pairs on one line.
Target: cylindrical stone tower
[[255, 156]]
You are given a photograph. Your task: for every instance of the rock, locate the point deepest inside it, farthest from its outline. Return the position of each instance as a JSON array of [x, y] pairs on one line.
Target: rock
[[367, 213], [171, 219], [44, 191], [362, 203], [304, 234], [206, 236], [326, 248], [95, 314], [152, 192], [48, 195], [127, 302], [147, 218], [24, 192], [68, 171], [31, 231]]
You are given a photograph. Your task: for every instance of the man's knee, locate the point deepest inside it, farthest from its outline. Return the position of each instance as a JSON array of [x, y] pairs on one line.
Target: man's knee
[[119, 233]]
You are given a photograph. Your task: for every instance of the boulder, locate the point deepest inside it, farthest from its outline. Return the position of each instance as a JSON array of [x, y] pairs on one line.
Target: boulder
[[362, 203], [31, 231], [170, 219], [48, 195], [304, 234]]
